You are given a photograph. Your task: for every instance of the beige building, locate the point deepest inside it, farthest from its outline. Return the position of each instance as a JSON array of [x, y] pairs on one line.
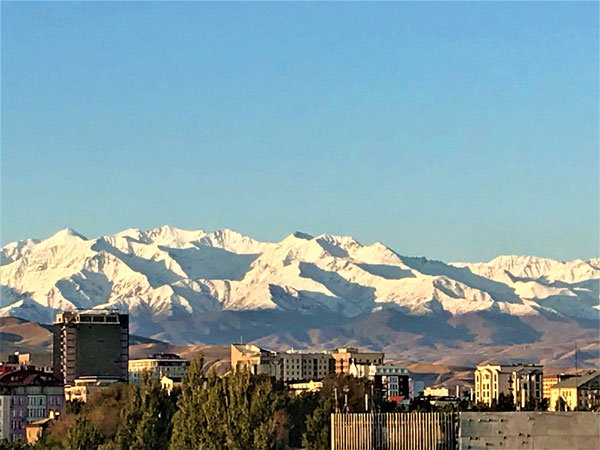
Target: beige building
[[84, 387], [550, 381], [285, 366], [158, 365], [344, 357], [576, 393], [521, 382]]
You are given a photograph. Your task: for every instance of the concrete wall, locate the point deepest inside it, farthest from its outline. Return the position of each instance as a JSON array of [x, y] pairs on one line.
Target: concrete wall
[[529, 430]]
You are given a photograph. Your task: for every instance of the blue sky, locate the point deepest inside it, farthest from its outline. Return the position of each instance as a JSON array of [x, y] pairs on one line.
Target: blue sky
[[458, 131]]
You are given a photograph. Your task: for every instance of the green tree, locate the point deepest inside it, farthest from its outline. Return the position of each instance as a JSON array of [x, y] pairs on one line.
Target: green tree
[[236, 412], [83, 436], [19, 444], [318, 427], [298, 409], [146, 418]]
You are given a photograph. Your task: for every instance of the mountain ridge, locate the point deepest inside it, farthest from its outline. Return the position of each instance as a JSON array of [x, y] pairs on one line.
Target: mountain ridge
[[193, 286]]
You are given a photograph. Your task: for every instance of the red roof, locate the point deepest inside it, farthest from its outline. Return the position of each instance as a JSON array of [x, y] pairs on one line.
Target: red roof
[[396, 398], [28, 377]]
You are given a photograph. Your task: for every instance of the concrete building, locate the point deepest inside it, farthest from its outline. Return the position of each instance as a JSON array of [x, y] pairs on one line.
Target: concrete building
[[521, 382], [84, 387], [158, 365], [90, 343], [576, 393], [26, 396], [345, 356], [285, 366]]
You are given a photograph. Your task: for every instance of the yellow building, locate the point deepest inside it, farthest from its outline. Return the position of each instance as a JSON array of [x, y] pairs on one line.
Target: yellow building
[[550, 381], [521, 382], [158, 365], [576, 393], [169, 383]]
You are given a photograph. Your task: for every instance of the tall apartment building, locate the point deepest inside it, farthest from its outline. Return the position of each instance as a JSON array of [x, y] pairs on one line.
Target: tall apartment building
[[284, 366], [26, 396], [521, 382], [159, 365], [344, 357], [90, 343]]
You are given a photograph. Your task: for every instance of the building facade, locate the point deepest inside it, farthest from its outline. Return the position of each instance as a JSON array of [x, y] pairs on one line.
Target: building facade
[[27, 396], [520, 382], [158, 365], [345, 356], [287, 366], [576, 393], [90, 343], [550, 381]]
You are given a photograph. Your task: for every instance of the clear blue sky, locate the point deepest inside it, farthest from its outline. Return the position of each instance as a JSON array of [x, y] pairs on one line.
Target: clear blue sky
[[458, 131]]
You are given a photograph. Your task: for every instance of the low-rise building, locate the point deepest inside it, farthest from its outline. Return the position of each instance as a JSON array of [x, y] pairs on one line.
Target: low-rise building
[[35, 430], [84, 387], [158, 365], [26, 396], [521, 382], [576, 393]]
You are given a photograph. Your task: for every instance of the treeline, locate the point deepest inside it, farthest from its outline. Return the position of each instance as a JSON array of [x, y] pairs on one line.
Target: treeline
[[238, 412]]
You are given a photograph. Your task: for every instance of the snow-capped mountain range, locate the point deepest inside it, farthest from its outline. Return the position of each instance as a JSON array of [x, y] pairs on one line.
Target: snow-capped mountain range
[[196, 286]]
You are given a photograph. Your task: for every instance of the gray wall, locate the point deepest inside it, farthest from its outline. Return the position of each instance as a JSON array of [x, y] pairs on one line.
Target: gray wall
[[529, 430]]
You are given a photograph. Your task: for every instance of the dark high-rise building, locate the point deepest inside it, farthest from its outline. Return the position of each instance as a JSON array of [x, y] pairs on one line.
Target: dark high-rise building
[[91, 343]]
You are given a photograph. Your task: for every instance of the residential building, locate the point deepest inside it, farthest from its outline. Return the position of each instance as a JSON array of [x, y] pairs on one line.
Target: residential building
[[27, 395], [158, 365], [91, 343], [581, 392], [84, 387], [345, 356], [285, 366], [521, 382], [255, 359], [392, 381], [550, 381]]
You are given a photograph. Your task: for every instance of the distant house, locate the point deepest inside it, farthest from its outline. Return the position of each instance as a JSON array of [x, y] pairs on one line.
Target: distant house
[[576, 393]]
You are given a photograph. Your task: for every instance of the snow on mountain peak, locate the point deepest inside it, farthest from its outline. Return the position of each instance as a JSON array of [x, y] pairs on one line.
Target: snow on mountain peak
[[171, 272]]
